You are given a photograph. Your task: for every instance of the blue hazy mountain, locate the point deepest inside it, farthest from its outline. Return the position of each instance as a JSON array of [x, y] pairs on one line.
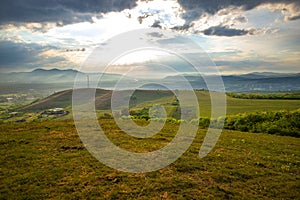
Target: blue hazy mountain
[[256, 81], [53, 76]]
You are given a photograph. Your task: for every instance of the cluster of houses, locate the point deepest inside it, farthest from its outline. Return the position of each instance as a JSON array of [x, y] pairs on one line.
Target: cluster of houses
[[55, 112]]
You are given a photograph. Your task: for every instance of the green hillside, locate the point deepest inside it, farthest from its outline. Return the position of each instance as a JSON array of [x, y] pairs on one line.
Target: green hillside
[[48, 161], [146, 98]]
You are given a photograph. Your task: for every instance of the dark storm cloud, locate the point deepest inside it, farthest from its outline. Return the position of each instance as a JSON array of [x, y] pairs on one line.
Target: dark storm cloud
[[226, 31], [11, 52], [156, 24], [65, 11], [293, 18], [245, 65], [21, 55], [182, 28], [156, 35], [195, 8], [241, 19]]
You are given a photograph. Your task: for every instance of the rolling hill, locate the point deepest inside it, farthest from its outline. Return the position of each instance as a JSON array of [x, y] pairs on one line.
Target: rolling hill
[[145, 98], [102, 99]]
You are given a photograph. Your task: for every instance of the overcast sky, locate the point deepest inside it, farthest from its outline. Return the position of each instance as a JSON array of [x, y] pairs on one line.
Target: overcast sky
[[240, 36]]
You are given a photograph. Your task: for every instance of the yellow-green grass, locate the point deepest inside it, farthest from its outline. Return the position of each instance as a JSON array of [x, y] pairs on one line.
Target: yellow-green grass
[[147, 98], [47, 160], [236, 106], [233, 105]]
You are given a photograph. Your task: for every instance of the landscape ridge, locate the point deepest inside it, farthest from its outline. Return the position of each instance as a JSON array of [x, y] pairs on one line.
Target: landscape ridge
[[254, 81]]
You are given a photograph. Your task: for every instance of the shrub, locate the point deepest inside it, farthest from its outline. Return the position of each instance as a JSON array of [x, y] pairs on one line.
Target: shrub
[[276, 122]]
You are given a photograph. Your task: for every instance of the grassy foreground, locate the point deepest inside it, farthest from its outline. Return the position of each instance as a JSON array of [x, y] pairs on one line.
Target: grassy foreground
[[47, 160]]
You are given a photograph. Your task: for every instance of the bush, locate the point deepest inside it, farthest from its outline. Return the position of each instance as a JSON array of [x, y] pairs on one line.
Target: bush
[[276, 122], [106, 116], [204, 122]]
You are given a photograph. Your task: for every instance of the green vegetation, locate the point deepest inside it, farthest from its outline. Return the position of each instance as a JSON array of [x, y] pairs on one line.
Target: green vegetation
[[279, 122], [234, 105], [274, 122], [250, 115], [147, 98], [14, 101], [44, 157], [47, 160], [251, 105], [265, 96]]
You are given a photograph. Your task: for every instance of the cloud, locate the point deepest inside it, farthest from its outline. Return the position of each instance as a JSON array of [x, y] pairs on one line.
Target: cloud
[[199, 13], [292, 18], [184, 27], [227, 31], [239, 66], [12, 53], [15, 56], [60, 12], [241, 19], [156, 24], [291, 11], [195, 8], [156, 35], [244, 66], [142, 17], [242, 63]]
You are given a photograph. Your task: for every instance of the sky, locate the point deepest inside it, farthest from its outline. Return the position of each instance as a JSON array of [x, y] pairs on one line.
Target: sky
[[239, 36]]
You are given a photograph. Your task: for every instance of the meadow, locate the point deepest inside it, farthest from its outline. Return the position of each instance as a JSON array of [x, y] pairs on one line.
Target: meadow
[[44, 158], [147, 98], [48, 160]]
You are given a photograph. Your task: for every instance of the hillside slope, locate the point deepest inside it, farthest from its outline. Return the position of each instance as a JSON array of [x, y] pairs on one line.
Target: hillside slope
[[145, 98], [63, 99], [48, 161]]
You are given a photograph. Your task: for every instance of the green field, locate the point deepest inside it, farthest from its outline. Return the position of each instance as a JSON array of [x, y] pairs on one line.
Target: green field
[[235, 105], [44, 157], [47, 160], [145, 99]]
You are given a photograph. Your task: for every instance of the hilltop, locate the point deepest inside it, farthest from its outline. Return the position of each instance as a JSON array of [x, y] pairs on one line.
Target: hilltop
[[102, 99]]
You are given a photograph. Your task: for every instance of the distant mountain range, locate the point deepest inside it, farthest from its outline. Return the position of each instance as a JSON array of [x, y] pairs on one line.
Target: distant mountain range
[[256, 81], [52, 76]]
